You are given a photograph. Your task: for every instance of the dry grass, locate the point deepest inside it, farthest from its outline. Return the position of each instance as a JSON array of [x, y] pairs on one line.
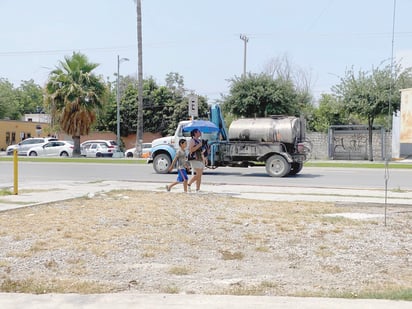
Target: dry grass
[[179, 270], [174, 243]]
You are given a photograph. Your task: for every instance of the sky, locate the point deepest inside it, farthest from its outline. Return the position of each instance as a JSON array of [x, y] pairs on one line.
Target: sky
[[201, 41]]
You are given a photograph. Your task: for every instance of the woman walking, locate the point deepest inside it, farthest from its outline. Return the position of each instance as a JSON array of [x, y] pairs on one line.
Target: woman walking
[[196, 158]]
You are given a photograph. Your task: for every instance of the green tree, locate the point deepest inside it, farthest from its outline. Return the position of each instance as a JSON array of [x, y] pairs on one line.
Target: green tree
[[259, 95], [9, 103], [154, 98], [329, 112], [31, 97], [26, 99], [370, 94], [164, 106], [74, 93], [175, 82]]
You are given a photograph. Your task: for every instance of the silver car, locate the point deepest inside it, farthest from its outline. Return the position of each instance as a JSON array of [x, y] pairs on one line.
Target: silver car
[[97, 150], [146, 151], [111, 145], [28, 143]]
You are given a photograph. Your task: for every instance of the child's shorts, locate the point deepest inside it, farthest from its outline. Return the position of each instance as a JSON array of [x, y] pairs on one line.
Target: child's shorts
[[182, 175]]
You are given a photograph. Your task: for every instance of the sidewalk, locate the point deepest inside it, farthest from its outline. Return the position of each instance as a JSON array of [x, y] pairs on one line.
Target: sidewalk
[[40, 193], [173, 301]]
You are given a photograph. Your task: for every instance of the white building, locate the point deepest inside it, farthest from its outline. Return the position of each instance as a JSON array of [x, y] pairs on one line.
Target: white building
[[402, 127], [45, 118]]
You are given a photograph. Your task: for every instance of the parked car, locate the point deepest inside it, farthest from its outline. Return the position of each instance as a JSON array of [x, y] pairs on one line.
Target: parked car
[[98, 150], [28, 143], [146, 151], [52, 149], [110, 144]]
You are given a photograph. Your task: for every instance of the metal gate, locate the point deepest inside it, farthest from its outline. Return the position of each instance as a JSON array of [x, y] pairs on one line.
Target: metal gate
[[350, 142]]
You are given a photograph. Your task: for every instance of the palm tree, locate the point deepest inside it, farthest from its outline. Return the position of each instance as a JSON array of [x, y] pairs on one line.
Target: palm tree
[[74, 94]]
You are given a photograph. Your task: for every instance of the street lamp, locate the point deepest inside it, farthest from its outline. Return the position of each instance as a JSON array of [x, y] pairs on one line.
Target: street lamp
[[245, 39], [119, 60]]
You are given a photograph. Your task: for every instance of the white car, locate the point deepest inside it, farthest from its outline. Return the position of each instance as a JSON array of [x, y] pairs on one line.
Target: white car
[[52, 149], [146, 151]]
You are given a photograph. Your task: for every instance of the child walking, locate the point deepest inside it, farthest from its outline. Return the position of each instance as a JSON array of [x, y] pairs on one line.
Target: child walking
[[180, 158]]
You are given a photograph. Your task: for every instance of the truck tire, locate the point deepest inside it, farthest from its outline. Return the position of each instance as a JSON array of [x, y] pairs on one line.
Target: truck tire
[[295, 168], [277, 166], [161, 163]]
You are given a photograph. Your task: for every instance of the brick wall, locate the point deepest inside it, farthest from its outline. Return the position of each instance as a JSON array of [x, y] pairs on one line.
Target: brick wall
[[129, 141]]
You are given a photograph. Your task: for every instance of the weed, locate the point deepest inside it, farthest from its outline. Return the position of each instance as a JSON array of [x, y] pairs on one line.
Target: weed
[[172, 289], [55, 286], [4, 191], [227, 255], [388, 293], [148, 254], [262, 249], [51, 264], [240, 289], [399, 190], [179, 271]]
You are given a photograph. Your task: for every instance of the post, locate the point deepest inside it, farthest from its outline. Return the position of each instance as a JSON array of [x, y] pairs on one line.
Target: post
[[16, 173], [118, 104]]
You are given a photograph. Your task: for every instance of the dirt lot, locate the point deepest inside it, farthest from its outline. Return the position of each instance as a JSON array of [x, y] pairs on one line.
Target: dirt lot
[[156, 242]]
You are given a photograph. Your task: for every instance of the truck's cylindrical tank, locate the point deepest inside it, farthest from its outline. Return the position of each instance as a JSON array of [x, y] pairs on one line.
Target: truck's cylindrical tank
[[285, 129]]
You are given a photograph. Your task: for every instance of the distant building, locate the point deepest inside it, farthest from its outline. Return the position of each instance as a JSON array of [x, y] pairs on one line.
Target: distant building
[[14, 131]]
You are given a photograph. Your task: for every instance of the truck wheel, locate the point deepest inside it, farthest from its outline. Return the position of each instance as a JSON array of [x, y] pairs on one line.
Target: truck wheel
[[161, 163], [295, 168], [277, 166]]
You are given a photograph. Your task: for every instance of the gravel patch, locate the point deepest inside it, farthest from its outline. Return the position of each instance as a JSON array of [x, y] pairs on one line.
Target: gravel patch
[[160, 242]]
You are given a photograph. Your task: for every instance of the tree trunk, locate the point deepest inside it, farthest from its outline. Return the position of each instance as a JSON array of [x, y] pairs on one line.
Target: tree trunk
[[76, 149], [370, 131]]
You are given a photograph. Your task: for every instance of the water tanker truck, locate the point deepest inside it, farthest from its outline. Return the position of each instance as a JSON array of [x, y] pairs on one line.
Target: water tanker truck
[[277, 142]]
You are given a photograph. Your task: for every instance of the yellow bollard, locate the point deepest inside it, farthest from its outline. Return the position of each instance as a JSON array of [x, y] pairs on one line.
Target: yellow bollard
[[16, 172]]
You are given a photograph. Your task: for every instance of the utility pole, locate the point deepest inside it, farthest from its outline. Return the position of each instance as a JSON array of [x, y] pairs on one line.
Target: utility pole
[[139, 133], [245, 39]]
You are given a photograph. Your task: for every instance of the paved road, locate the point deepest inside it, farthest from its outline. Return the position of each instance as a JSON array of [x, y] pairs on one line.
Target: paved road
[[309, 177]]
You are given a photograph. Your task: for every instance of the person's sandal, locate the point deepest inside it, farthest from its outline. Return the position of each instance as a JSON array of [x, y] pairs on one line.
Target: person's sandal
[[189, 188], [167, 188]]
